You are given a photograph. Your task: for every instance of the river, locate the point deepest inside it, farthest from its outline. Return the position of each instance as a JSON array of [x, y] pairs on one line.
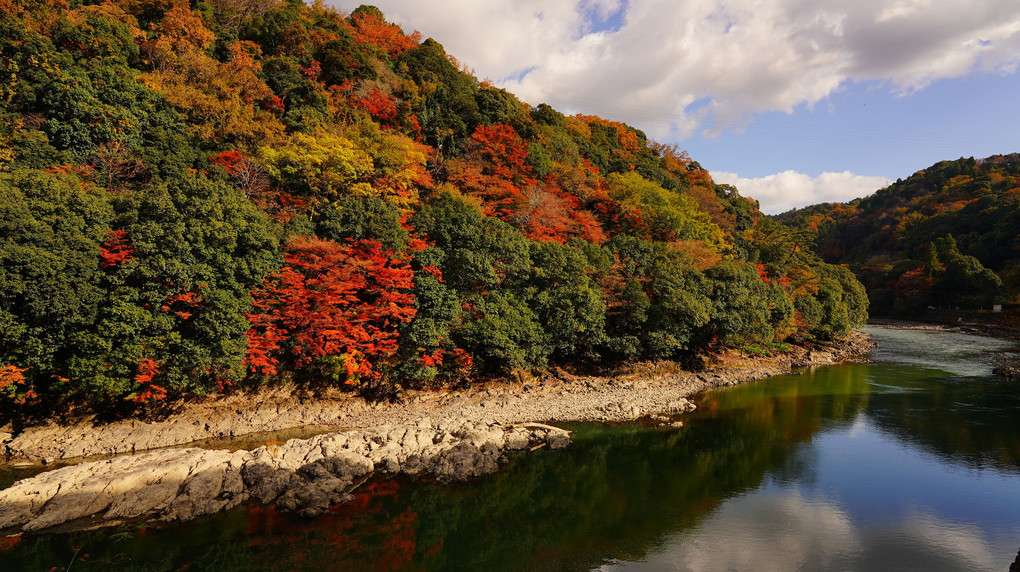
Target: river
[[908, 463]]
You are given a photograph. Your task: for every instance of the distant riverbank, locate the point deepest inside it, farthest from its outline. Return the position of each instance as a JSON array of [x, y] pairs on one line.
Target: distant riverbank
[[1000, 325]]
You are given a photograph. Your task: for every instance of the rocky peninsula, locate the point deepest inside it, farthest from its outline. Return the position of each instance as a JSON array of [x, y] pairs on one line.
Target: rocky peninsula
[[449, 435]]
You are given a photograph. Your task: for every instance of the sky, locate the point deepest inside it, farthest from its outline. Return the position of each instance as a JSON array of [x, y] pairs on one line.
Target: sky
[[793, 101]]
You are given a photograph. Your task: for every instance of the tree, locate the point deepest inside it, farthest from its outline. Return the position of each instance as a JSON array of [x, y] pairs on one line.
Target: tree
[[370, 27], [564, 296], [669, 215], [335, 306], [503, 334], [964, 280], [51, 228], [361, 218]]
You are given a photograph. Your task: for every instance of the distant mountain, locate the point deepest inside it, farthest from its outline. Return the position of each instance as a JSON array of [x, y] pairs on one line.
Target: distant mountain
[[948, 235]]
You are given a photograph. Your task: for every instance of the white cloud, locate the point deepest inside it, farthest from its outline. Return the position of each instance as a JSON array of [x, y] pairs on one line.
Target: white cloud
[[790, 189], [674, 67]]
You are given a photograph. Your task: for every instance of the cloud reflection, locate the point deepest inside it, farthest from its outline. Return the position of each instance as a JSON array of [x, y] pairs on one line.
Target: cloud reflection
[[788, 530]]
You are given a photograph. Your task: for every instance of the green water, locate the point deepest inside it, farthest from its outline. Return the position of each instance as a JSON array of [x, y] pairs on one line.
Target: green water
[[911, 463]]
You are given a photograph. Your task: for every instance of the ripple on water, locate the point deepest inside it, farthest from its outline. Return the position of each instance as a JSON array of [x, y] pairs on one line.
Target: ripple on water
[[956, 353]]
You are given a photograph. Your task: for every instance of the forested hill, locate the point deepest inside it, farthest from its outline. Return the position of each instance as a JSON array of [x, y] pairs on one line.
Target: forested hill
[[948, 235], [201, 195]]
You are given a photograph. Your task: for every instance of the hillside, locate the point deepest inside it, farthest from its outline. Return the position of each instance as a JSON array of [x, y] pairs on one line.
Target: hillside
[[227, 193], [947, 236]]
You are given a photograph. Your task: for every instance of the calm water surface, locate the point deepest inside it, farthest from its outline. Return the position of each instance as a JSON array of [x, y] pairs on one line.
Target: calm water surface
[[910, 463]]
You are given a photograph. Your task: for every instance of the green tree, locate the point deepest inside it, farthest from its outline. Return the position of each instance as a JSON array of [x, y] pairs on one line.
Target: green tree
[[51, 228]]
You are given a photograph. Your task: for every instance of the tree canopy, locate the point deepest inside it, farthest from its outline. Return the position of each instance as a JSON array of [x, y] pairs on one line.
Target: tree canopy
[[214, 193]]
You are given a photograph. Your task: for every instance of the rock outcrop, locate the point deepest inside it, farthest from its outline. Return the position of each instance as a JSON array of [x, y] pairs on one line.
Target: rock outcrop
[[303, 475]]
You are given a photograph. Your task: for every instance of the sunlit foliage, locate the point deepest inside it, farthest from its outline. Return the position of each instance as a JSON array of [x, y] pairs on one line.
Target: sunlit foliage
[[231, 192]]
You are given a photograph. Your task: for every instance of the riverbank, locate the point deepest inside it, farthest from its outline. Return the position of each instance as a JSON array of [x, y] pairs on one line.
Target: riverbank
[[222, 423], [447, 436]]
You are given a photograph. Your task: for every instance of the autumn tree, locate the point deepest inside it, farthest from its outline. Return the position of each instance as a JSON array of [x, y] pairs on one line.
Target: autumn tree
[[337, 307], [370, 27]]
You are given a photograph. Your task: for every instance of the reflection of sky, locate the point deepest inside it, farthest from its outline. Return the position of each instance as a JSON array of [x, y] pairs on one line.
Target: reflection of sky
[[868, 502], [786, 530]]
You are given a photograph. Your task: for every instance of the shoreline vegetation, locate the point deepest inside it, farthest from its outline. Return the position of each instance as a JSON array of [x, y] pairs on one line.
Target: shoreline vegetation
[[448, 436]]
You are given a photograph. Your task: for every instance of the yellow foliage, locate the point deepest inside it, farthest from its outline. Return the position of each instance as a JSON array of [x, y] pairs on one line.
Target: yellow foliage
[[364, 160], [329, 164], [578, 127], [399, 161], [670, 215], [221, 101], [180, 36]]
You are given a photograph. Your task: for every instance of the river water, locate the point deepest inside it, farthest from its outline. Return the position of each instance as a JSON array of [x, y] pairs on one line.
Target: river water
[[908, 463]]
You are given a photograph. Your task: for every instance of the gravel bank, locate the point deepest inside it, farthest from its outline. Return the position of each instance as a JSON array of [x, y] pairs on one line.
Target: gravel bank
[[555, 397]]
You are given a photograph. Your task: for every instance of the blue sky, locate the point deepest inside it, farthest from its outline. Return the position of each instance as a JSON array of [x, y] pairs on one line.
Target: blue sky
[[794, 101], [866, 129]]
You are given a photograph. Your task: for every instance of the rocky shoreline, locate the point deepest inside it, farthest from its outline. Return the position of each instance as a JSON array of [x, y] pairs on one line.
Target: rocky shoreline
[[303, 475], [555, 397], [450, 436]]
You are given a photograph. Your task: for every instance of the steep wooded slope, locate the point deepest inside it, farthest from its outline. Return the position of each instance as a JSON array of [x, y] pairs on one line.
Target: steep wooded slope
[[202, 194]]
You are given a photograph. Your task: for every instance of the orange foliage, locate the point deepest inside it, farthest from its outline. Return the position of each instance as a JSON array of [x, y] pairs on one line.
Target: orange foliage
[[912, 282], [147, 369], [312, 71], [502, 151], [700, 254], [116, 249], [331, 300], [587, 226], [221, 101], [245, 55], [11, 375], [625, 135], [179, 34], [371, 28], [545, 216], [677, 162], [502, 198], [181, 303], [436, 272], [379, 105], [495, 170]]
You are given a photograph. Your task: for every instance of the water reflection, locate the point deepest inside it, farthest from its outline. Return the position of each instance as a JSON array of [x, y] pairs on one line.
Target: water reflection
[[764, 530], [786, 530], [866, 467]]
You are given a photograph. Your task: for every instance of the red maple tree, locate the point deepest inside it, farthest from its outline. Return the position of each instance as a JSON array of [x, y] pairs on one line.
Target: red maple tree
[[116, 249], [332, 299], [370, 27]]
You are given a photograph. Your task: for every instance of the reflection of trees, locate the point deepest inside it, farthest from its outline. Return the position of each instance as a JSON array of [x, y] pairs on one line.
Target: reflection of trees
[[614, 494], [972, 421]]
